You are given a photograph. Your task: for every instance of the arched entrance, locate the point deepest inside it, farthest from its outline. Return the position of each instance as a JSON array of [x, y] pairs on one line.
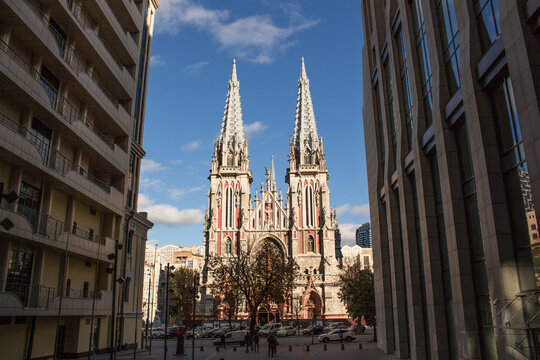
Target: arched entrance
[[312, 305]]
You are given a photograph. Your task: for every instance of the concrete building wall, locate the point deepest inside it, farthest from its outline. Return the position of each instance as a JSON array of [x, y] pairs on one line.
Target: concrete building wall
[[450, 88]]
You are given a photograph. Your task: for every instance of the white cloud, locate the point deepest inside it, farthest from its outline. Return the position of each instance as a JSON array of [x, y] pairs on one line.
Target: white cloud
[[147, 183], [348, 234], [360, 210], [152, 243], [255, 38], [176, 162], [254, 128], [177, 193], [195, 68], [169, 215], [149, 165], [195, 144], [156, 60]]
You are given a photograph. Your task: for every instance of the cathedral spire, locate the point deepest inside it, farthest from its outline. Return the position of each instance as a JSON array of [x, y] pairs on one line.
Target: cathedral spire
[[305, 128], [232, 128]]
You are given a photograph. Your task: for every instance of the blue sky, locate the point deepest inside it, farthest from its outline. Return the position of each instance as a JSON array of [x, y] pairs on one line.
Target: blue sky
[[192, 51]]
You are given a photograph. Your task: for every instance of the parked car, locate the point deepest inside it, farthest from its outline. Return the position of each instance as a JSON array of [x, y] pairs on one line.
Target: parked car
[[357, 330], [158, 333], [312, 330], [268, 329], [233, 337], [193, 332], [333, 326], [172, 330], [337, 334], [221, 331], [286, 331]]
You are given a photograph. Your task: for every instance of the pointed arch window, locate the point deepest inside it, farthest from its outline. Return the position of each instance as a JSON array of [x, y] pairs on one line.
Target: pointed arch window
[[228, 246], [311, 244]]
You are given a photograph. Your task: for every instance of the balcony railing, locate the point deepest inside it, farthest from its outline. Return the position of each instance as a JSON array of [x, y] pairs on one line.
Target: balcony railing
[[52, 158], [59, 103], [84, 20], [68, 54], [36, 296]]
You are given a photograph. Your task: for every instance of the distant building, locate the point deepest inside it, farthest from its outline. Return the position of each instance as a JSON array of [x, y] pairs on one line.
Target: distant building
[[353, 254], [190, 257], [363, 236], [167, 253]]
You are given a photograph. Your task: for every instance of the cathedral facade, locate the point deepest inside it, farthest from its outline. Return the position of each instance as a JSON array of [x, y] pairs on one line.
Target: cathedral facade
[[304, 228]]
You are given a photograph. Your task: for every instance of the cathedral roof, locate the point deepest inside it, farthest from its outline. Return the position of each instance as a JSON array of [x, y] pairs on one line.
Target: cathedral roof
[[232, 127], [305, 128]]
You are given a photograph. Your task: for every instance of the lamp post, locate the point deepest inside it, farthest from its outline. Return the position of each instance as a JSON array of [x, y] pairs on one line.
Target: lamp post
[[195, 284], [114, 270], [124, 262], [168, 274]]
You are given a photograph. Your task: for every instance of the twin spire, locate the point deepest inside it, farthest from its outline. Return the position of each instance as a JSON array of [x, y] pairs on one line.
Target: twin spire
[[305, 128]]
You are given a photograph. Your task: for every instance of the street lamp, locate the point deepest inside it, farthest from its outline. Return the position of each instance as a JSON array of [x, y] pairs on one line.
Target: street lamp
[[113, 257]]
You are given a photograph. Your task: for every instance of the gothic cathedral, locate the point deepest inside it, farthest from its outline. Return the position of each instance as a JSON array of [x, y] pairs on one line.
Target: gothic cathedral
[[305, 228]]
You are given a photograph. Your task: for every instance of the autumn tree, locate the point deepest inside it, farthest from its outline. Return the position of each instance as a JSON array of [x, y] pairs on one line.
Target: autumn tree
[[182, 292], [357, 292], [259, 275]]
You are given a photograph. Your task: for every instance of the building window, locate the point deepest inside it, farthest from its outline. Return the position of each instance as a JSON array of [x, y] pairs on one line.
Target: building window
[[476, 245], [59, 36], [228, 246], [380, 130], [311, 244], [487, 13], [85, 289], [423, 58], [29, 199], [390, 108], [132, 180], [405, 86], [40, 135], [517, 183], [126, 289], [450, 38], [129, 246], [19, 273], [68, 287], [51, 85]]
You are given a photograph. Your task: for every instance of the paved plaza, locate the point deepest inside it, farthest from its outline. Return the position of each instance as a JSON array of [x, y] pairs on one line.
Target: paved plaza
[[298, 350]]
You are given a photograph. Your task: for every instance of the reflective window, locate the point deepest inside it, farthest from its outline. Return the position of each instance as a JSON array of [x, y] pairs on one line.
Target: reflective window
[[489, 21], [450, 37], [29, 200], [228, 246], [40, 135], [405, 86], [380, 129], [390, 108], [423, 58], [517, 185]]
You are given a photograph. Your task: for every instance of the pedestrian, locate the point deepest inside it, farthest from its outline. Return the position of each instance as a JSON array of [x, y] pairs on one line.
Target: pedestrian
[[247, 340], [256, 341], [274, 350], [270, 341], [223, 341]]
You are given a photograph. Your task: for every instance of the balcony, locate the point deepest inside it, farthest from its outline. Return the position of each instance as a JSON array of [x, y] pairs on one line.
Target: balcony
[[128, 14], [44, 229], [21, 299], [33, 150]]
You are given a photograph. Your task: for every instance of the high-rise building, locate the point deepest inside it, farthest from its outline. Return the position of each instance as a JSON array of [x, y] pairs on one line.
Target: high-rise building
[[363, 236], [73, 78], [451, 114], [305, 229]]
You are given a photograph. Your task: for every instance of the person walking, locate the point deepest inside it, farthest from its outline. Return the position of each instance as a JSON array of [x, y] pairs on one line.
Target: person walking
[[223, 341], [247, 340], [270, 341], [256, 341], [274, 349]]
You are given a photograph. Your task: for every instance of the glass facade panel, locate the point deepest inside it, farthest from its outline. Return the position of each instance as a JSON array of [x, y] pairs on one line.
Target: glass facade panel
[[423, 59], [405, 86], [487, 12], [390, 108], [380, 130], [517, 185], [450, 37]]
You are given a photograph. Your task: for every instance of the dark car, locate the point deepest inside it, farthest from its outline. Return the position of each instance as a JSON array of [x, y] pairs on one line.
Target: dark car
[[312, 330], [173, 330]]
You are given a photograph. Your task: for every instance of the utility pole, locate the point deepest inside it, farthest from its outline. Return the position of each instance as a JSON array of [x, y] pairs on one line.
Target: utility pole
[[195, 283], [166, 311], [148, 303], [153, 274]]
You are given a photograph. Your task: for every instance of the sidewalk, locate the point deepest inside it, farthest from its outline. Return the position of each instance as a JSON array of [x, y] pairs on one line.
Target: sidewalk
[[369, 351]]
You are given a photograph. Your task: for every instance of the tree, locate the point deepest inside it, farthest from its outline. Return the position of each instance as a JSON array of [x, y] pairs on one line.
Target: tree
[[229, 299], [259, 275], [297, 307], [182, 292], [357, 292]]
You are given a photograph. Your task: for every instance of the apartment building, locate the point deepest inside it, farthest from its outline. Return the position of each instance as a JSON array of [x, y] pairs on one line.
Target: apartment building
[[73, 78], [451, 114]]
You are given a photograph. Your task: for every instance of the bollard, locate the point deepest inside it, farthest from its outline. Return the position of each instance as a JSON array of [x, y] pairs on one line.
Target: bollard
[[290, 347], [202, 348], [234, 348], [307, 348], [360, 346], [342, 346], [325, 347]]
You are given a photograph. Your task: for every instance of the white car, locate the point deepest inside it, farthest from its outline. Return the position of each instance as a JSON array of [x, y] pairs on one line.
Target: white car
[[286, 331], [268, 329], [158, 334], [337, 334], [234, 337]]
